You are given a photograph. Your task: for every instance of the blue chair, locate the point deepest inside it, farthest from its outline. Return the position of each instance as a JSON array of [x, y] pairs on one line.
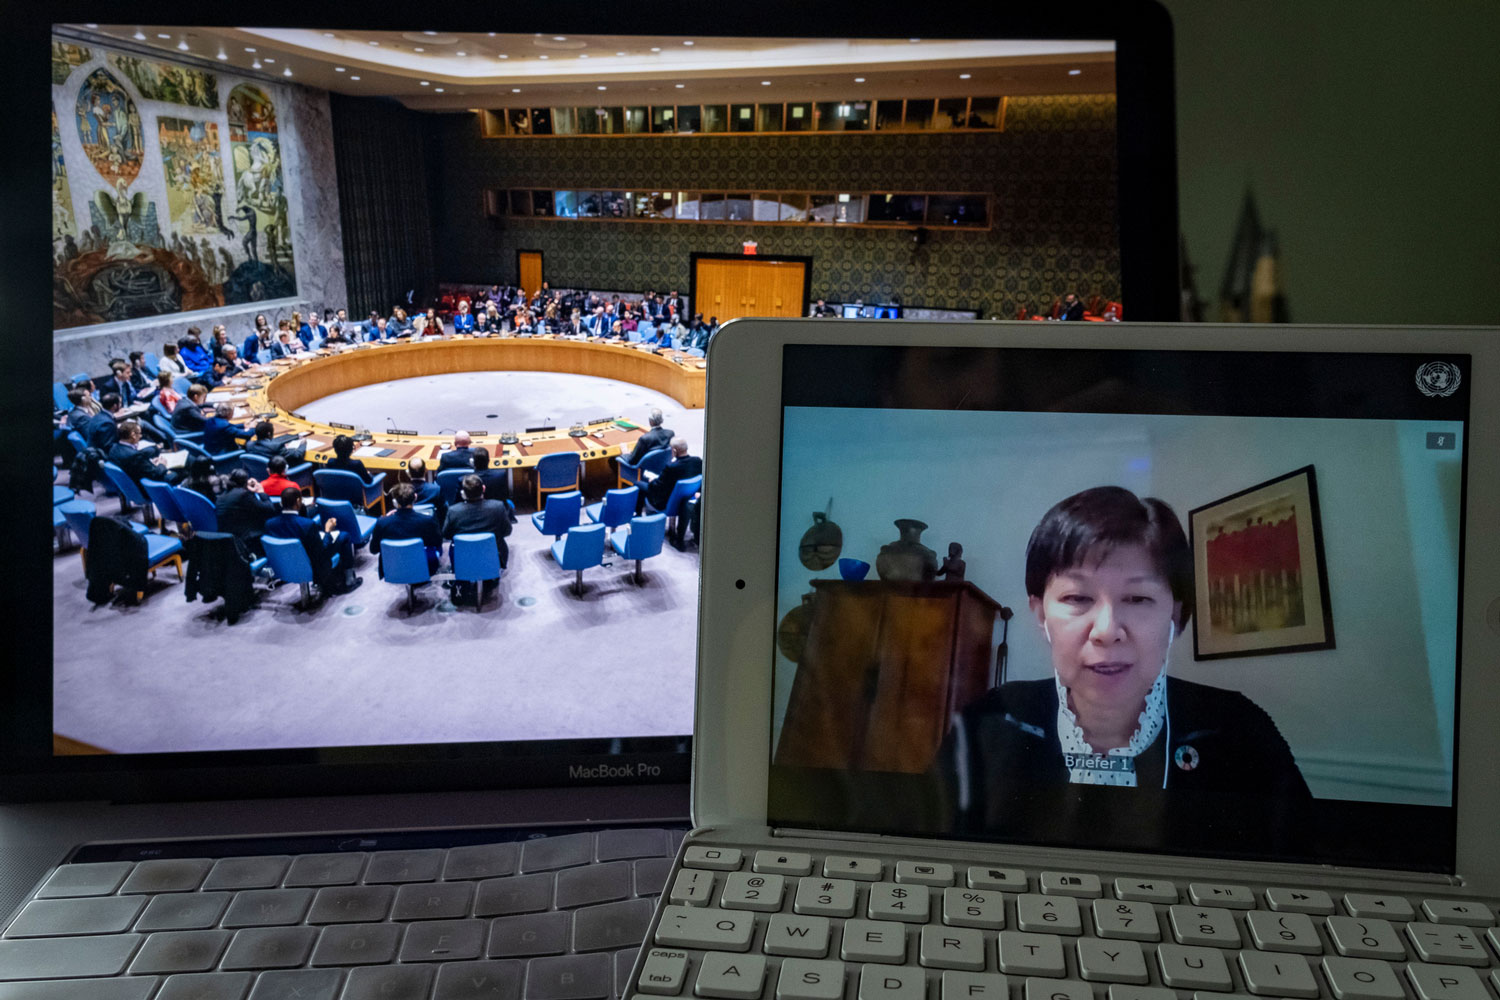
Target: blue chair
[[476, 558], [164, 500], [642, 541], [288, 561], [352, 523], [159, 548], [151, 363], [583, 547], [336, 484], [405, 561], [684, 489], [129, 492], [616, 509], [182, 384], [561, 513], [653, 462], [197, 509], [77, 514], [163, 424], [60, 397], [448, 482], [557, 473], [59, 526], [223, 464], [257, 466], [80, 377], [61, 494]]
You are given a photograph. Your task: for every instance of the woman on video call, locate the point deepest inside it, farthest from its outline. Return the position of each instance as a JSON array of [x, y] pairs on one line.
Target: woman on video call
[[1109, 583]]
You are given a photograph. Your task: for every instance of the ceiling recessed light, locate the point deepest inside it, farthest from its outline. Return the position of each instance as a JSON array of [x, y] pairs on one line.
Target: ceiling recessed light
[[160, 35], [426, 83], [583, 55], [354, 78], [327, 34], [91, 26], [183, 45], [601, 87], [418, 48], [765, 83], [655, 49], [374, 43], [681, 85], [859, 79], [541, 57], [269, 59], [440, 90], [339, 69], [688, 42], [461, 53], [914, 39], [619, 53], [249, 49], [559, 38], [255, 64], [502, 56], [1074, 72], [492, 34], [964, 76], [429, 33], [139, 35], [287, 71], [515, 90], [223, 56]]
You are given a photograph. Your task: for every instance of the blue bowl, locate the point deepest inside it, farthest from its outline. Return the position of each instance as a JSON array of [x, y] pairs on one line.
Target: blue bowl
[[853, 569]]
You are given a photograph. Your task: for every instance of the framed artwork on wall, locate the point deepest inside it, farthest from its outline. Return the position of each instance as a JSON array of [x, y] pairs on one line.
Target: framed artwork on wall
[[1261, 583]]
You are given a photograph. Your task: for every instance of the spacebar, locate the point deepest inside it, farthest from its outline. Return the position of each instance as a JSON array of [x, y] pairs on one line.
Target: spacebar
[[65, 957], [134, 988]]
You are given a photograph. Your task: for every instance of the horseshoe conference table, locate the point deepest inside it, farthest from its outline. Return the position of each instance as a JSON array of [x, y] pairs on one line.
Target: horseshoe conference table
[[277, 390]]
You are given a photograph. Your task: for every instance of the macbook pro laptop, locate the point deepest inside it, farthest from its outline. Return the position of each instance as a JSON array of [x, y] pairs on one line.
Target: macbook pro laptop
[[1077, 660]]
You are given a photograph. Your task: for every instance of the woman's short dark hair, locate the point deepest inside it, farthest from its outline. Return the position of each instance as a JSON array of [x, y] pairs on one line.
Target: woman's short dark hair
[[239, 477], [1090, 524], [200, 467], [343, 446]]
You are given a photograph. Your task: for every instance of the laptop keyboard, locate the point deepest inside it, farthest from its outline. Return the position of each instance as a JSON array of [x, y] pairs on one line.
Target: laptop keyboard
[[745, 924], [554, 918]]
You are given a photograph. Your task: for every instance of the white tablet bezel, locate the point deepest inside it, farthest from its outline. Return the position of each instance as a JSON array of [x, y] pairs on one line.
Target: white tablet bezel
[[742, 453]]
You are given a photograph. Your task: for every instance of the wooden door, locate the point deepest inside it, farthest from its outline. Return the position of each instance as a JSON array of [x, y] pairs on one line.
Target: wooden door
[[529, 263], [728, 289]]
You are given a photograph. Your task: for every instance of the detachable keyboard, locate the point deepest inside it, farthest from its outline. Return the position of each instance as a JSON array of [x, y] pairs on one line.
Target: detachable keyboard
[[742, 923], [545, 918]]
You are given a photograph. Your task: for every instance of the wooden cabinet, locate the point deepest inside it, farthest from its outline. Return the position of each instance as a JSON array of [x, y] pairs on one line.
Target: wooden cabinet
[[885, 665]]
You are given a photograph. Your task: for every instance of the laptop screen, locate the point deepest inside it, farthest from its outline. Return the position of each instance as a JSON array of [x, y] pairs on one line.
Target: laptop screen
[[1197, 602]]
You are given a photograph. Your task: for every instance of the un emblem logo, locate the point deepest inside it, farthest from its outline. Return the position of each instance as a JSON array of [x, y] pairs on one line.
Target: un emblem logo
[[1438, 378]]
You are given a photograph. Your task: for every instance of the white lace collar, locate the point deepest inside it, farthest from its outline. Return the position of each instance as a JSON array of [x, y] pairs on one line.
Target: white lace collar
[[1148, 726]]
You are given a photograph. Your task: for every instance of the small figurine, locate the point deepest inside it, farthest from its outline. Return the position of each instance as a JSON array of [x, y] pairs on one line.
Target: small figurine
[[953, 566]]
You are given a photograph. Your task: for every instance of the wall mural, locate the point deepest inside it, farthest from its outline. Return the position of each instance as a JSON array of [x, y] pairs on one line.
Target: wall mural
[[67, 57], [109, 126], [63, 226], [195, 178], [256, 152], [175, 84]]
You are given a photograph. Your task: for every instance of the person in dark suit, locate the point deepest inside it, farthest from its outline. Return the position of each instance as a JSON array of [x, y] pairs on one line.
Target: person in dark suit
[[102, 429], [83, 408], [475, 514], [233, 363], [460, 456], [320, 543], [404, 522], [264, 444], [244, 510], [219, 434], [657, 437], [119, 382], [343, 447], [682, 466], [137, 460], [1072, 308], [496, 481], [415, 474], [188, 418], [257, 347]]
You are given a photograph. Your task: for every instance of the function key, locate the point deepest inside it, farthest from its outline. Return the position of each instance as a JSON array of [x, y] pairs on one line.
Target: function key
[[1012, 879], [1146, 890], [1068, 884], [167, 875], [924, 873], [1458, 911], [1230, 897], [859, 869], [95, 879], [722, 859], [783, 863], [1300, 901], [247, 873], [1386, 907]]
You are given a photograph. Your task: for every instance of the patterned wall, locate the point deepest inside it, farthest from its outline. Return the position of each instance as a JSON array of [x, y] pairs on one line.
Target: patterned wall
[[1052, 173]]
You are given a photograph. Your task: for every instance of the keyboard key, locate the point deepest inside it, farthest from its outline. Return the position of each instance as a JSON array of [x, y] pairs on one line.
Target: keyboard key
[[1009, 879], [691, 927], [1365, 938], [975, 986], [315, 870], [1145, 890], [1129, 921], [1204, 925], [873, 941], [598, 883], [1031, 954], [907, 903], [439, 901], [792, 935], [664, 972], [692, 888], [1292, 932], [1186, 968], [806, 979], [1230, 897], [1456, 911], [1388, 907], [611, 925], [924, 873], [479, 981], [1361, 979], [268, 907], [517, 894], [1278, 975], [204, 986], [1140, 993], [61, 917], [1069, 884], [304, 984], [832, 897], [1300, 901], [651, 876], [391, 982], [881, 982], [952, 948], [479, 861], [1447, 944], [167, 875], [404, 866], [744, 891], [738, 977], [615, 845], [723, 859], [1111, 961], [570, 977], [269, 948], [1057, 989], [1048, 914], [973, 908], [180, 951], [357, 944], [532, 934], [351, 904], [247, 873], [189, 911], [551, 853], [783, 863], [859, 869], [92, 989], [96, 879], [56, 958], [1445, 982]]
